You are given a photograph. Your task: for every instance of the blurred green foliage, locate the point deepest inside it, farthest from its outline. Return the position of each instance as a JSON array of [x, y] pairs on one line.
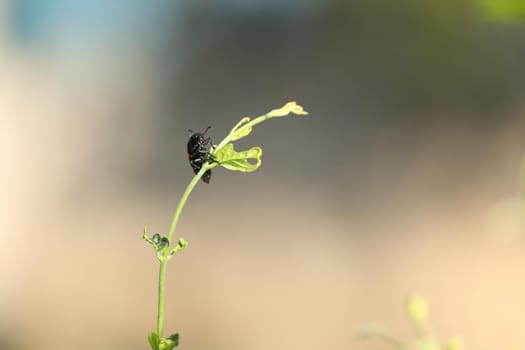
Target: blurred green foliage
[[426, 57], [505, 9], [417, 310]]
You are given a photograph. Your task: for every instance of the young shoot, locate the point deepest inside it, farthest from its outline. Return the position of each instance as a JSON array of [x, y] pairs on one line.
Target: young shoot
[[224, 155]]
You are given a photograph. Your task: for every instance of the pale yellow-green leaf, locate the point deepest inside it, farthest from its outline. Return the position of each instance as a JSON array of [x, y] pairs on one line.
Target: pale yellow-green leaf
[[290, 107], [230, 159]]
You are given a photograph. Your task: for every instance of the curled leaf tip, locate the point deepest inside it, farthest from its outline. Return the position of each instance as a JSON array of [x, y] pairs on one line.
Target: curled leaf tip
[[296, 109], [290, 107], [181, 245], [182, 242]]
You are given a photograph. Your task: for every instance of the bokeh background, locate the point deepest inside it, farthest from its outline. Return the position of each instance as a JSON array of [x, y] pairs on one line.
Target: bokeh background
[[404, 177]]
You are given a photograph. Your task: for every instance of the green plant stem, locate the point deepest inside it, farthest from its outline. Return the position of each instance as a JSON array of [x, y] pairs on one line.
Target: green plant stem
[[164, 260], [160, 311], [185, 196]]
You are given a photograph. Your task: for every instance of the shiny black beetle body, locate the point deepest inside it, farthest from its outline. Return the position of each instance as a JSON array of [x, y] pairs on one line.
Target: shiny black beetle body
[[198, 152]]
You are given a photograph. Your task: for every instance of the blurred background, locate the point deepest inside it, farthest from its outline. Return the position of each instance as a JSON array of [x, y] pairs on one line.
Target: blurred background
[[404, 177]]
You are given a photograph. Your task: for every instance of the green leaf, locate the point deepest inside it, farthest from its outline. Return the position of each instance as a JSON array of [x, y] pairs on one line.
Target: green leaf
[[153, 340], [158, 343], [230, 159], [166, 344]]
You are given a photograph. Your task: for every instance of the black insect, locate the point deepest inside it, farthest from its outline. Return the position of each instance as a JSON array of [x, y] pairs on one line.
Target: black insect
[[198, 152]]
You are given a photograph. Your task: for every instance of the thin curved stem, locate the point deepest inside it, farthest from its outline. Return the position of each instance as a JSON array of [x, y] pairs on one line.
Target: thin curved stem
[[160, 310], [178, 211], [164, 262]]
